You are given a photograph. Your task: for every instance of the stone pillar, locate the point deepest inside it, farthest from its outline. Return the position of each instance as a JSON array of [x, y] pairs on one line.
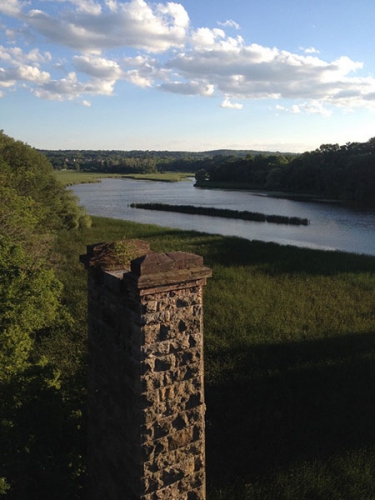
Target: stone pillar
[[146, 396]]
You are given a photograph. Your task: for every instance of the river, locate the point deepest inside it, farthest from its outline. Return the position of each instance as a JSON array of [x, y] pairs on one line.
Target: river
[[332, 227]]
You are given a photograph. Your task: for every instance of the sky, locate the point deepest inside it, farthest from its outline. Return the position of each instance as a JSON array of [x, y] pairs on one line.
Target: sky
[[190, 75]]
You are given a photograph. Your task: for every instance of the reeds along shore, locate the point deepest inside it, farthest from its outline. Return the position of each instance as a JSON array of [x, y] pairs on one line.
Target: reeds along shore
[[223, 212]]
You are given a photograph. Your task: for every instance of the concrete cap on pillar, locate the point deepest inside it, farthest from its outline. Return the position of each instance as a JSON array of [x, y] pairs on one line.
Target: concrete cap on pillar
[[154, 263]]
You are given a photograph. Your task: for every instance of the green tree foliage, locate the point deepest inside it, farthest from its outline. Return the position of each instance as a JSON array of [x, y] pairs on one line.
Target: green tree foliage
[[34, 393], [138, 162], [344, 173], [201, 175], [29, 301], [29, 172]]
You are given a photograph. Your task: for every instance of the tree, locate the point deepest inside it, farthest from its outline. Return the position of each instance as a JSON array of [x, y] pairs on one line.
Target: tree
[[201, 175], [30, 174], [33, 208]]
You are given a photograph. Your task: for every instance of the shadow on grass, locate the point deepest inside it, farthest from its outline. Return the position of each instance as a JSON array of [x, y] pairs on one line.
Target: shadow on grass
[[232, 251], [289, 403]]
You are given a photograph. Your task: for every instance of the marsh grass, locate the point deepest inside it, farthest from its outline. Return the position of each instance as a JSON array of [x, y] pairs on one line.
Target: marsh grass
[[161, 176], [71, 177], [289, 362]]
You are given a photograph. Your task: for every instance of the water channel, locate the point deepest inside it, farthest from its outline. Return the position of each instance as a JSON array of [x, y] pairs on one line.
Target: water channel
[[332, 226]]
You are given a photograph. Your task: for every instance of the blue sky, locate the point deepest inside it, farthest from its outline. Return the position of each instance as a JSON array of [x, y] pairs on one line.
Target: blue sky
[[276, 75]]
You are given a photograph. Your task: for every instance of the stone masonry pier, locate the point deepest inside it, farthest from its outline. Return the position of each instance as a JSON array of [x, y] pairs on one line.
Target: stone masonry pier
[[146, 394]]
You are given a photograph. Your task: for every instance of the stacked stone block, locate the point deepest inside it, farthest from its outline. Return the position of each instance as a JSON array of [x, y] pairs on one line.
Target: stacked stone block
[[146, 394]]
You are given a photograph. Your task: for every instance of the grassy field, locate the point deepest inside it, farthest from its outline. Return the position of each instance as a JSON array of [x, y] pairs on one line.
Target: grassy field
[[70, 177], [289, 362]]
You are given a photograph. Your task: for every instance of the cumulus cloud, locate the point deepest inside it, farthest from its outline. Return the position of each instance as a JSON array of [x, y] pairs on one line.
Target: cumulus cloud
[[70, 88], [87, 6], [136, 77], [92, 27], [143, 71], [230, 105], [17, 55], [97, 67], [254, 71], [311, 108], [153, 45], [22, 66], [12, 7], [214, 39], [310, 50]]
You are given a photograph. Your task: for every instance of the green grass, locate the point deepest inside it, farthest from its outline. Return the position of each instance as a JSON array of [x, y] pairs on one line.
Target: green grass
[[289, 362], [161, 176], [70, 177]]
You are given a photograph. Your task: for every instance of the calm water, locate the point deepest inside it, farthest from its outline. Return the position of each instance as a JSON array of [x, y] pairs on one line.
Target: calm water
[[331, 226]]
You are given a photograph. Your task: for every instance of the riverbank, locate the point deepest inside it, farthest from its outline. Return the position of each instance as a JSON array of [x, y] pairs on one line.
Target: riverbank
[[289, 353]]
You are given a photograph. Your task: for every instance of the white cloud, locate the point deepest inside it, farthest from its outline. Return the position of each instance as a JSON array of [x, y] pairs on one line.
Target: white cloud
[[310, 50], [206, 38], [133, 24], [70, 88], [6, 80], [310, 108], [30, 73], [111, 4], [136, 77], [256, 72], [20, 66], [86, 103], [214, 39], [17, 55], [67, 88], [229, 24], [230, 105], [97, 67], [145, 71], [188, 88], [152, 45], [89, 6], [12, 7]]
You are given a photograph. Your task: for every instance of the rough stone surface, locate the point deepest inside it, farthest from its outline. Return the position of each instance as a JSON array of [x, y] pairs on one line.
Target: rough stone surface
[[146, 392]]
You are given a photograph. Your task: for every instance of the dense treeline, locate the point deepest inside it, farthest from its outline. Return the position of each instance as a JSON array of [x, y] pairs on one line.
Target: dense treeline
[[139, 162], [37, 406], [344, 173], [223, 212]]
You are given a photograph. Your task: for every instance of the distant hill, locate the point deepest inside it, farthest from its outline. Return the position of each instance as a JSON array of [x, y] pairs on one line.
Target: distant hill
[[245, 152]]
